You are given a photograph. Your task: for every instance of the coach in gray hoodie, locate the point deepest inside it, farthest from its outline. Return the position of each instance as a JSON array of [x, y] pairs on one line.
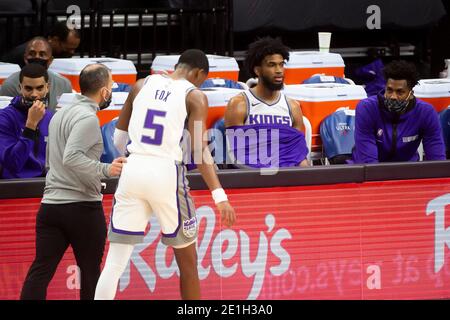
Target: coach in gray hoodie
[[71, 211]]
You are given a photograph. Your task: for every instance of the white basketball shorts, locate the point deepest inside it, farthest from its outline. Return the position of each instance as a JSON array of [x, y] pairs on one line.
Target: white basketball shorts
[[151, 185]]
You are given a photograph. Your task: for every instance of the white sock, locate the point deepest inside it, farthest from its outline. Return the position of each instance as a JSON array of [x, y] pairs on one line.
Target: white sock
[[118, 256]]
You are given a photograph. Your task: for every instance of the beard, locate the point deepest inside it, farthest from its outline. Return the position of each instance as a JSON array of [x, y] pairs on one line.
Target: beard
[[266, 82]]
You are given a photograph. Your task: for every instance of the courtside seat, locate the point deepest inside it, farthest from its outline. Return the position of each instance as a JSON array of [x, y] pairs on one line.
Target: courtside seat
[[338, 136], [223, 83], [109, 150], [121, 87], [219, 145], [322, 78]]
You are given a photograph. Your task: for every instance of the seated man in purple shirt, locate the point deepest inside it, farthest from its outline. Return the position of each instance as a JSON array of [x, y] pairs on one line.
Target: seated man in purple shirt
[[372, 73], [24, 126], [391, 125]]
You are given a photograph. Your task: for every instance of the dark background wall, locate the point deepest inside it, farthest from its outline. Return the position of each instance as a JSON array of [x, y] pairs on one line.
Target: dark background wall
[[423, 24]]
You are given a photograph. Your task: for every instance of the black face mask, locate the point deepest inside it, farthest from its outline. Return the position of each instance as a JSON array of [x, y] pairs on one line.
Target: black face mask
[[105, 104], [42, 62], [27, 103], [397, 106]]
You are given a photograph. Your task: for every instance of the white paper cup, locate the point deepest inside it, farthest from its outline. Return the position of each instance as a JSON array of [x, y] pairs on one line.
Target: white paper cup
[[324, 41]]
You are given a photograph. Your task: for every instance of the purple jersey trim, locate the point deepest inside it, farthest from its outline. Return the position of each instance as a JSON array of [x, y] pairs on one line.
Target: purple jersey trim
[[185, 194], [119, 231], [174, 234]]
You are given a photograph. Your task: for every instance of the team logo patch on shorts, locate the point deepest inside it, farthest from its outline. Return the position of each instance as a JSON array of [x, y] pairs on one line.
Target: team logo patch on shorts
[[190, 227]]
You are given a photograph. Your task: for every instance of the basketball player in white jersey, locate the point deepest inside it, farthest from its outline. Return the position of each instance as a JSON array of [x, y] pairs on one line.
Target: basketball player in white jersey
[[265, 103], [153, 180]]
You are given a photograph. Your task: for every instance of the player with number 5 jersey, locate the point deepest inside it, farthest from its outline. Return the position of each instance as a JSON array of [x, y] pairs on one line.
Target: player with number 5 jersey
[[158, 118], [153, 181]]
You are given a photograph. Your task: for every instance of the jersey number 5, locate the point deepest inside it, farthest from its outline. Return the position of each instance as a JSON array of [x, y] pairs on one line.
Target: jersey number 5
[[149, 124]]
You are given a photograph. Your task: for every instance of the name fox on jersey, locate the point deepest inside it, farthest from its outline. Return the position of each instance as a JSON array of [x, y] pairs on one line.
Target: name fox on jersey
[[162, 95], [268, 119]]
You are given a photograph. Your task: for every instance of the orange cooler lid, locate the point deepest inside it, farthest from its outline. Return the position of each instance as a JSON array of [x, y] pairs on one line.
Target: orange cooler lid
[[219, 97], [313, 59], [118, 99], [73, 66], [319, 92], [7, 69], [5, 101], [432, 88], [216, 63]]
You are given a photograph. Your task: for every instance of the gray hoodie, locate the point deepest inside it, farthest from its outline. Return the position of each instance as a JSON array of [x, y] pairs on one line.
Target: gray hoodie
[[74, 148]]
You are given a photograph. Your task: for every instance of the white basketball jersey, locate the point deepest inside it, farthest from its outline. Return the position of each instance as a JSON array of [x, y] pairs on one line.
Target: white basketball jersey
[[259, 112], [158, 117]]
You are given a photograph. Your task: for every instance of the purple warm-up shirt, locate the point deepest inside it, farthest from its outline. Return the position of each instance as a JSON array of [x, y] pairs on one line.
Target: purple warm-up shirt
[[375, 127], [21, 155]]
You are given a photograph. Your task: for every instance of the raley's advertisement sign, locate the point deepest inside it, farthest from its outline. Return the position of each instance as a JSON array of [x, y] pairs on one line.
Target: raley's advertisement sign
[[381, 240]]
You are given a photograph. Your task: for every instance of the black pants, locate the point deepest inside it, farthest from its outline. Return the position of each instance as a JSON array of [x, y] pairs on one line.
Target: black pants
[[81, 225]]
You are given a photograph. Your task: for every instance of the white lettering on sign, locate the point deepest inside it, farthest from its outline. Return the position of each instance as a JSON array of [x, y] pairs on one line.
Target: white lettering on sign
[[441, 234], [224, 246]]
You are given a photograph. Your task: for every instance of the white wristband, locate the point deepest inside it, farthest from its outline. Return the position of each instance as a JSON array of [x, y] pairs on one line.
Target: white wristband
[[219, 195]]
